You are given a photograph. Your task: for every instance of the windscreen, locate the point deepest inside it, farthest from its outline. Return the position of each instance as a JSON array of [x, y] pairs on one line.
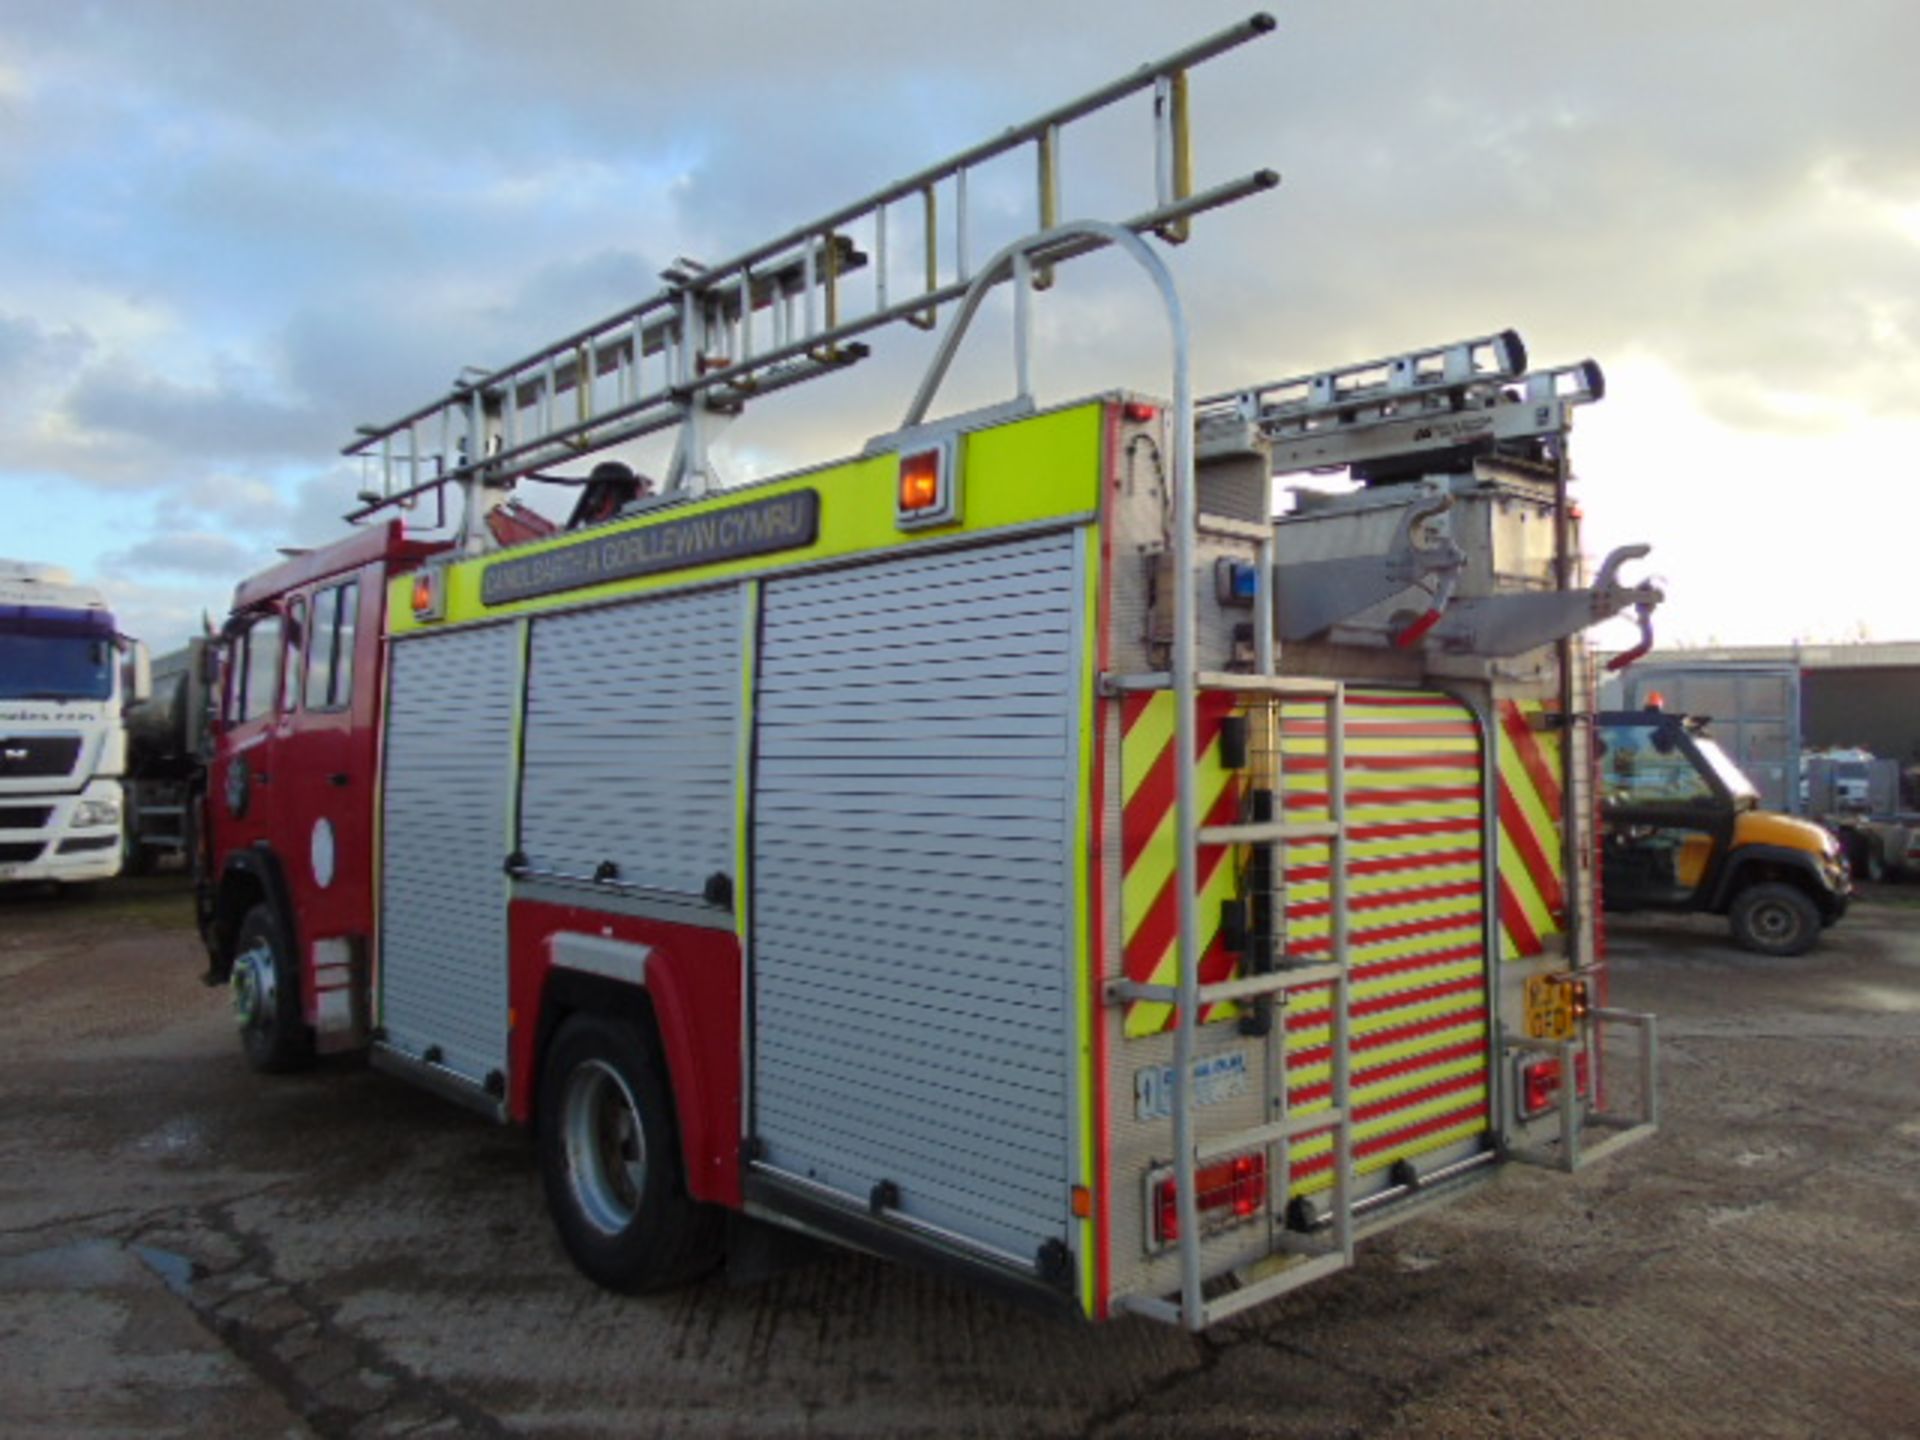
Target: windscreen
[[50, 654]]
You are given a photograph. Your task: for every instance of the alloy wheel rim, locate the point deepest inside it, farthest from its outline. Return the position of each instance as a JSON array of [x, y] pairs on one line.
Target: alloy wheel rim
[[606, 1146], [253, 987]]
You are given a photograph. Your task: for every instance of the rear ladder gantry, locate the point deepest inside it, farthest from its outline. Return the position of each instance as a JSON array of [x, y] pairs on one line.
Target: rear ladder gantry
[[1420, 403]]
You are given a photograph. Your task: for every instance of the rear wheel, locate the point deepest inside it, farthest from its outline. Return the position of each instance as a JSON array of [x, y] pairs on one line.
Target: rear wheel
[[266, 996], [1861, 854], [610, 1161], [1775, 919]]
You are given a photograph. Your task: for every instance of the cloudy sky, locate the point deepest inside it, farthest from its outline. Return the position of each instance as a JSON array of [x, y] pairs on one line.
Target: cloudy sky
[[232, 230]]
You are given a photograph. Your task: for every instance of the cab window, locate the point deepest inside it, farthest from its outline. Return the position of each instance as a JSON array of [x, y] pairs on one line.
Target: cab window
[[336, 613], [256, 653]]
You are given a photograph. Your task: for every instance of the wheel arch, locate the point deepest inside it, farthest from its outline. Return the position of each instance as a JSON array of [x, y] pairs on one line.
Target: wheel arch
[[653, 1007], [248, 877], [1762, 864]]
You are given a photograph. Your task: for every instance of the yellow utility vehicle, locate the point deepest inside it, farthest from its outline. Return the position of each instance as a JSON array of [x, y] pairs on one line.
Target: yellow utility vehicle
[[1682, 829]]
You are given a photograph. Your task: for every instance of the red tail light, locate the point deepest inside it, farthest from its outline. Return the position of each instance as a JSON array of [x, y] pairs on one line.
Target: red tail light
[[1540, 1084], [1225, 1193]]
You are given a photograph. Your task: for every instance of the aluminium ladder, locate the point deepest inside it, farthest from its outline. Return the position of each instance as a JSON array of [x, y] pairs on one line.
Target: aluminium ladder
[[1269, 978], [1466, 392], [782, 312]]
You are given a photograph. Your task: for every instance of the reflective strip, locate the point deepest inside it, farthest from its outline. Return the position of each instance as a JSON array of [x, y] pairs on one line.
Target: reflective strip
[[1150, 911], [1530, 869], [1417, 929]]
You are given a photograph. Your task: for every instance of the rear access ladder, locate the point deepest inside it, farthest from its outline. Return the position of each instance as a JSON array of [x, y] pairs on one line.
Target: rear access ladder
[[1270, 977], [1271, 974]]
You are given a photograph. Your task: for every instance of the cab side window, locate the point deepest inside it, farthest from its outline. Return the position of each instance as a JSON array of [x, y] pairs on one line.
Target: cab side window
[[254, 683], [336, 614]]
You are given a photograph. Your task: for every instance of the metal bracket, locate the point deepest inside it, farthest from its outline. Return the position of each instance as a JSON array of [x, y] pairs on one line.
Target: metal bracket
[[1315, 595], [1570, 1150], [1502, 626]]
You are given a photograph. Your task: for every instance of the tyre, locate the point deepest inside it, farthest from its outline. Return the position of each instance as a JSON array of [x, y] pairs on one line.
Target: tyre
[[266, 996], [610, 1160], [1874, 870], [135, 859], [1864, 859], [1775, 919]]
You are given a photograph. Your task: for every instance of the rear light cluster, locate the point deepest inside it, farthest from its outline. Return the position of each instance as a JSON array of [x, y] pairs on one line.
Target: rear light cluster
[[1225, 1193], [1540, 1084]]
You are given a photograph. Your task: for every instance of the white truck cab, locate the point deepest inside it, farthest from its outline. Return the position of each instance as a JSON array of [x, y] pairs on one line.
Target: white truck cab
[[66, 676]]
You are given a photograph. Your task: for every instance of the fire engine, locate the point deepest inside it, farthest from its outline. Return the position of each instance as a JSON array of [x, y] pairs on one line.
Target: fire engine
[[1009, 847]]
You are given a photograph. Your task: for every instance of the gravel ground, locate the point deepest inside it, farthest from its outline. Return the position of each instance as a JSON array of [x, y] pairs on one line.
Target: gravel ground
[[186, 1248]]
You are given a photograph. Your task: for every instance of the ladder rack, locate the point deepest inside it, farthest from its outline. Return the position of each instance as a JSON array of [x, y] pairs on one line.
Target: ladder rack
[[777, 314], [1467, 393]]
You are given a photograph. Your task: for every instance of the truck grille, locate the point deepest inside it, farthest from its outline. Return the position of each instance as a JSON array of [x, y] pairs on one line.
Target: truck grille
[[18, 854], [24, 817], [22, 755]]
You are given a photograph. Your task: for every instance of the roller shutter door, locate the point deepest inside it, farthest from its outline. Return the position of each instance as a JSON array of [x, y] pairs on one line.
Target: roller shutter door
[[448, 770], [632, 725], [912, 885]]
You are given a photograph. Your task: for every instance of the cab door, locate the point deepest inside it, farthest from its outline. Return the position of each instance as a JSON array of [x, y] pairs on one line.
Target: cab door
[[323, 817], [242, 785]]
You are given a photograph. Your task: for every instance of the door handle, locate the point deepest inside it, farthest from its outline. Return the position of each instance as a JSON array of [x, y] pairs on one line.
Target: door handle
[[339, 778]]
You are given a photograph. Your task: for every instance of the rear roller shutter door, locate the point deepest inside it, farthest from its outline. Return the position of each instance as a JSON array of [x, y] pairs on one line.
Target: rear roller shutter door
[[912, 884]]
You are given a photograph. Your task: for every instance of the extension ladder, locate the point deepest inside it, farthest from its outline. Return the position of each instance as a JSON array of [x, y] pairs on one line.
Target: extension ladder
[[782, 312]]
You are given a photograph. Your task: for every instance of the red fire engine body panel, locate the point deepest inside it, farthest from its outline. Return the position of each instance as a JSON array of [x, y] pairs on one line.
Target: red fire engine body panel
[[693, 981]]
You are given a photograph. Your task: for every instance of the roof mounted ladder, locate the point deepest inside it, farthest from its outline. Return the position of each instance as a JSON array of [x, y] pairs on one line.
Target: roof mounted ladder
[[775, 315], [1429, 400]]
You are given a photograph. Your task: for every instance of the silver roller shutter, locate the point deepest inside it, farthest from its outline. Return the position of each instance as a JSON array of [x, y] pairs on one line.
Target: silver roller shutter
[[447, 781], [632, 725], [912, 882]]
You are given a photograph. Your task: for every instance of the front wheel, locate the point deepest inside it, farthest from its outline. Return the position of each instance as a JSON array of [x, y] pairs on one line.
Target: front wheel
[[266, 996], [1775, 919], [610, 1161]]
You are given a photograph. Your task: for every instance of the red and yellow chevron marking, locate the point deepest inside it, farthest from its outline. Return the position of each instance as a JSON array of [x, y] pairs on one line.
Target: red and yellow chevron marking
[[1149, 900], [1417, 923], [1416, 927], [1531, 869]]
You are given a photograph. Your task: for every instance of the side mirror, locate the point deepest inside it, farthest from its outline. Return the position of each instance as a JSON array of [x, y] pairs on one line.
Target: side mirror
[[139, 673]]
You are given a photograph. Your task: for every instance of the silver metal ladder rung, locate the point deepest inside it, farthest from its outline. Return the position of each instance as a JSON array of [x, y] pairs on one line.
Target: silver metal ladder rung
[[1290, 1128], [1298, 686], [1267, 832], [1272, 982], [1443, 369], [1304, 1272]]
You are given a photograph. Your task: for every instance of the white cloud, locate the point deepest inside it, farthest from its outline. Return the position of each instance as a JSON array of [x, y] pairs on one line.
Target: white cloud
[[234, 231], [197, 553]]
